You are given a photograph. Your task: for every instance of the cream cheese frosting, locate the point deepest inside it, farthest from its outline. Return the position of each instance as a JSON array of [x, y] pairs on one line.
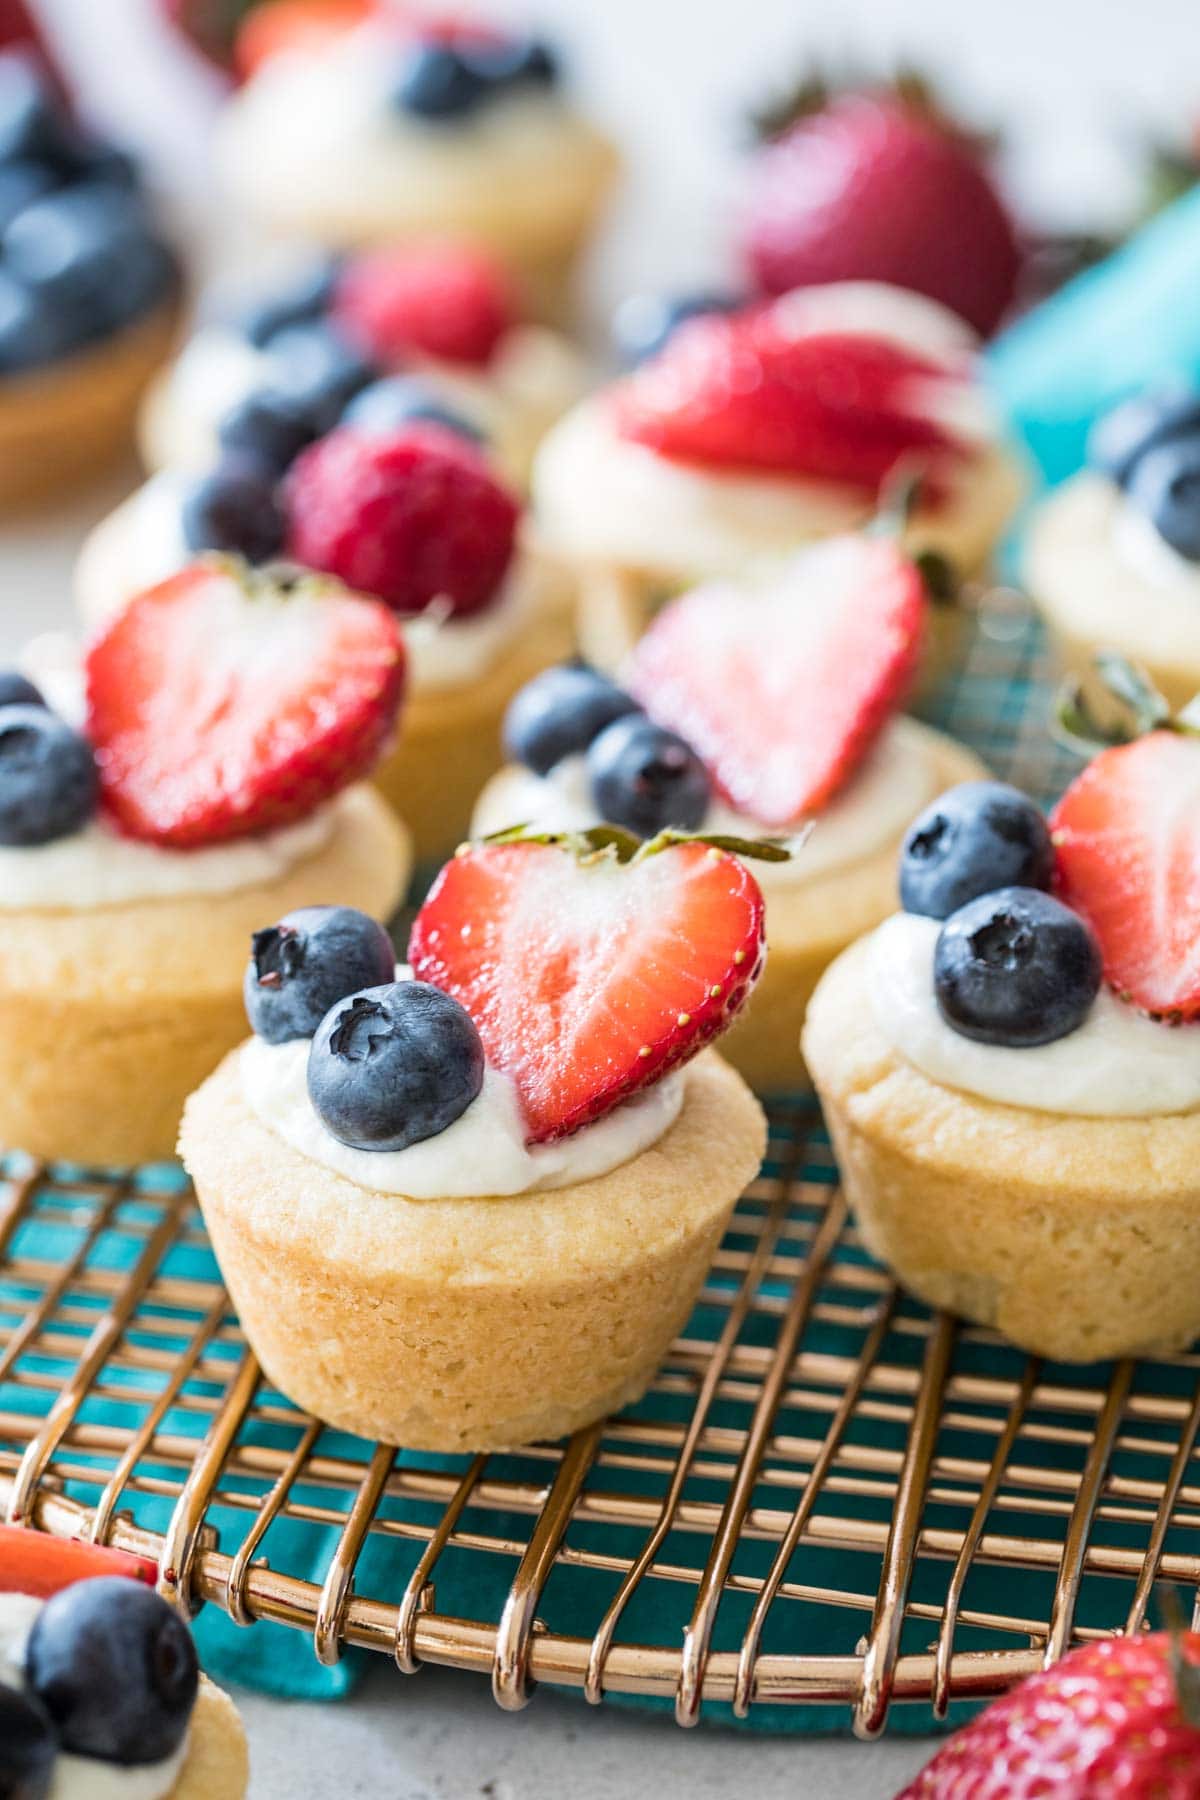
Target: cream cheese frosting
[[142, 543], [1118, 1064], [482, 1153], [80, 1777], [898, 777]]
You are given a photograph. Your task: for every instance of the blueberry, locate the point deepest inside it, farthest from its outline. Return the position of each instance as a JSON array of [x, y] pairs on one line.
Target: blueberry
[[15, 690], [1165, 485], [504, 62], [646, 778], [558, 714], [149, 275], [1015, 967], [400, 400], [319, 371], [235, 508], [394, 1065], [85, 251], [47, 777], [30, 121], [28, 1747], [643, 323], [99, 161], [301, 967], [270, 425], [115, 1667], [302, 300], [435, 81], [21, 183], [976, 837], [32, 331], [1129, 430]]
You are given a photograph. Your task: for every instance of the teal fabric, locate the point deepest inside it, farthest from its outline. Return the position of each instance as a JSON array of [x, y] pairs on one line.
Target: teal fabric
[[1131, 322]]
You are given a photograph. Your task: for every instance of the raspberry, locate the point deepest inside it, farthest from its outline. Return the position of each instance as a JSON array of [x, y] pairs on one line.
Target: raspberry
[[448, 301], [411, 517]]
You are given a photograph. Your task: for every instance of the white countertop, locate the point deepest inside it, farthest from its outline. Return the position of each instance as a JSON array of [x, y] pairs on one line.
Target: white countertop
[[674, 77]]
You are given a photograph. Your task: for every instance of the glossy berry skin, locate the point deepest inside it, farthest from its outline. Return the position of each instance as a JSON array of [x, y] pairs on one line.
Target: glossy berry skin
[[21, 183], [412, 517], [1165, 486], [87, 252], [312, 958], [450, 301], [872, 189], [28, 1747], [647, 779], [435, 82], [558, 714], [16, 690], [269, 425], [1123, 435], [1106, 1721], [29, 122], [300, 301], [319, 372], [394, 1065], [399, 400], [32, 331], [116, 1669], [48, 780], [643, 323], [235, 508], [1016, 968], [507, 61], [979, 836]]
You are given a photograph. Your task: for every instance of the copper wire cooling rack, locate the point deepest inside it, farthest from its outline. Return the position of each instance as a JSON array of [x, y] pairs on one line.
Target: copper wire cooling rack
[[829, 1494]]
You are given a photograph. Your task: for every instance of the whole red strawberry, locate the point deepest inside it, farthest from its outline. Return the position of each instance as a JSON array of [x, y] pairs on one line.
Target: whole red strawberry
[[223, 704], [1127, 843], [755, 390], [412, 516], [871, 187], [587, 977], [448, 301], [1105, 1723]]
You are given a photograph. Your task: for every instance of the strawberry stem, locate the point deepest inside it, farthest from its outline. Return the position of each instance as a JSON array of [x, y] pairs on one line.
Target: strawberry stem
[[1139, 707], [612, 841]]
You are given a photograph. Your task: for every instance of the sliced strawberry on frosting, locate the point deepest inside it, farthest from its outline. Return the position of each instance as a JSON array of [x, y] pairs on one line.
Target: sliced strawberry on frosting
[[1127, 839], [759, 390], [588, 978], [781, 698], [222, 703], [278, 26]]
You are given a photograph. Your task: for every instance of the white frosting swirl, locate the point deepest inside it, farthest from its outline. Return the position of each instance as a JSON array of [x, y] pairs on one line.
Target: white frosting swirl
[[899, 776], [482, 1153], [80, 1777], [1118, 1064]]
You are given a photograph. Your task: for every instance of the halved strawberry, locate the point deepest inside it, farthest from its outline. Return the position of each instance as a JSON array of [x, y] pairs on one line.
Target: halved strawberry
[[782, 696], [589, 978], [451, 301], [278, 25], [1127, 838], [225, 702], [751, 390], [33, 1562]]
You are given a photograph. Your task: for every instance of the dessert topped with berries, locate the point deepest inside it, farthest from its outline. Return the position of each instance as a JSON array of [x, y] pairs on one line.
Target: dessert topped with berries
[[418, 331], [467, 1203], [88, 288], [100, 1690], [224, 714], [742, 712], [1113, 556], [751, 430], [377, 122]]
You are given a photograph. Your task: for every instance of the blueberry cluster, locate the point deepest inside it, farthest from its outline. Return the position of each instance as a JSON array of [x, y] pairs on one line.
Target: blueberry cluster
[[1150, 446], [48, 780], [643, 322], [318, 381], [642, 777], [80, 256], [1012, 965], [452, 77], [391, 1062], [110, 1673]]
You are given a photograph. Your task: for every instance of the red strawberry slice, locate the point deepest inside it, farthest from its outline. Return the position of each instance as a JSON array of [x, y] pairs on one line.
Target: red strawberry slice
[[1127, 834], [32, 1562], [449, 301], [751, 390], [270, 28], [589, 979], [782, 696], [222, 703]]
